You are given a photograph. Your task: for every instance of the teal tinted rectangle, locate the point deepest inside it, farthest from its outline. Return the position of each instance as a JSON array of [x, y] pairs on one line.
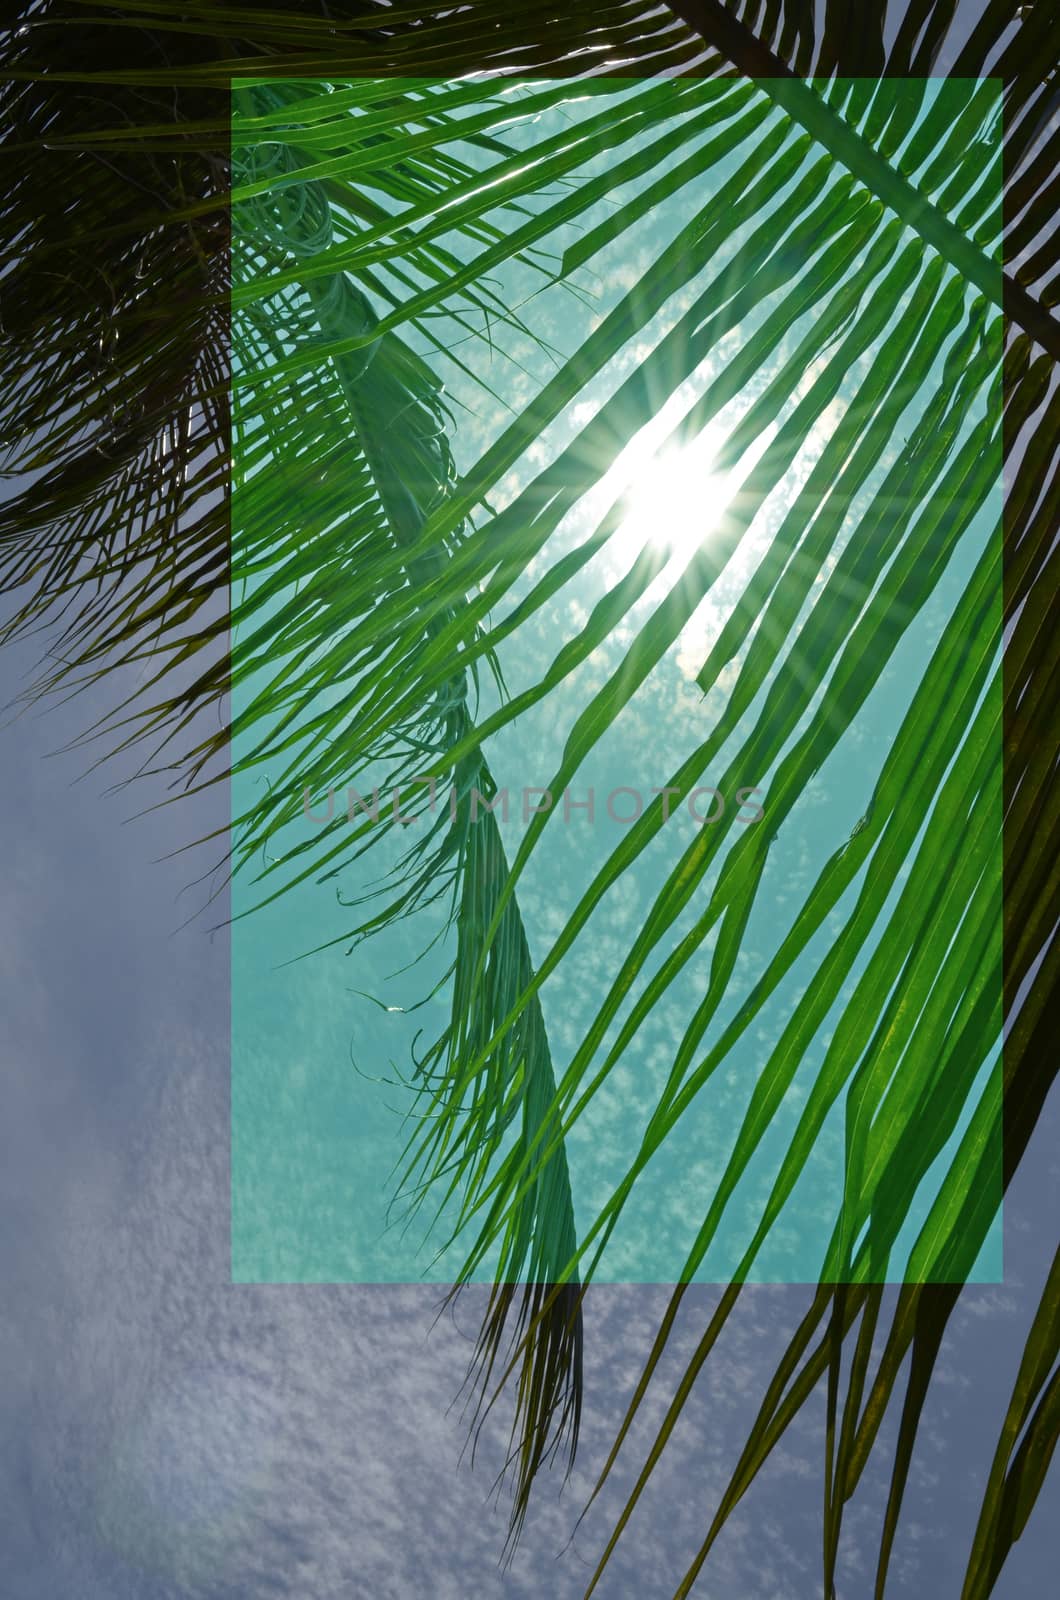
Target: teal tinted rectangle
[[888, 369]]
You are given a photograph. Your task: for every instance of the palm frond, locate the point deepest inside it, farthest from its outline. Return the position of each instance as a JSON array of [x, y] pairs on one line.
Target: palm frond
[[403, 470]]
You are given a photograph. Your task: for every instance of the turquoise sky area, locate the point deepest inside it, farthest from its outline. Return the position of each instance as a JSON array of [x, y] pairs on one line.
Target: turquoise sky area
[[322, 1046]]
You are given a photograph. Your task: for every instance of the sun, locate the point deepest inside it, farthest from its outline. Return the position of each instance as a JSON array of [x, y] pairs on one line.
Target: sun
[[676, 499]]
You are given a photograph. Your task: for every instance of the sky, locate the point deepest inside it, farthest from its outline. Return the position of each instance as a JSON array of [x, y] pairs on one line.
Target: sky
[[171, 1435]]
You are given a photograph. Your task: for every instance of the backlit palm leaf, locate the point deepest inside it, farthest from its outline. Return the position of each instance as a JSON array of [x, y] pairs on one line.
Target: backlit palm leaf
[[403, 470]]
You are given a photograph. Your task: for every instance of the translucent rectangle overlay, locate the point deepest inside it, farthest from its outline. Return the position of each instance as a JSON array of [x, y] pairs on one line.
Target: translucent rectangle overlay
[[466, 318]]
